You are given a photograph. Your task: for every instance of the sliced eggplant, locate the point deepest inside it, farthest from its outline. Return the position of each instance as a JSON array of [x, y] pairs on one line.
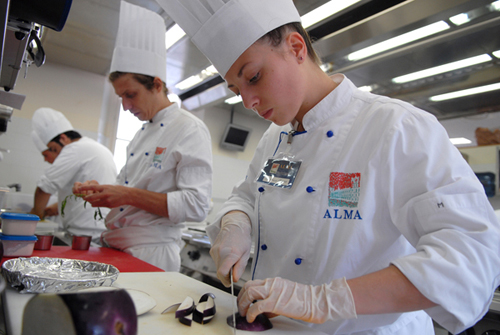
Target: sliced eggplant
[[186, 320], [186, 308], [205, 310], [261, 323], [171, 309], [183, 311]]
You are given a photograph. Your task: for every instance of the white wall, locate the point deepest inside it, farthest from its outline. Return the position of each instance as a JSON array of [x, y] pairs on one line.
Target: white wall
[[78, 94]]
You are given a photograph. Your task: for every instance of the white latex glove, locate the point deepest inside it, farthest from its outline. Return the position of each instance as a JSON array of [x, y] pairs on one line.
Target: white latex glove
[[316, 304], [232, 246]]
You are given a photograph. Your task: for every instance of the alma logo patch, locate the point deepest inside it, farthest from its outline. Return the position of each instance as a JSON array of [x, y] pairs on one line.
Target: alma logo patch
[[159, 153], [344, 189], [158, 157]]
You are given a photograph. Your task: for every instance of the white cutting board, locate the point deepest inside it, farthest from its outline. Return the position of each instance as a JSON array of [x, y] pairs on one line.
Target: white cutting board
[[167, 288]]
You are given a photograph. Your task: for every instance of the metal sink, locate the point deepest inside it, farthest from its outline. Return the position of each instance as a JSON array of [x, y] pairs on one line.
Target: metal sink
[[59, 241], [61, 238]]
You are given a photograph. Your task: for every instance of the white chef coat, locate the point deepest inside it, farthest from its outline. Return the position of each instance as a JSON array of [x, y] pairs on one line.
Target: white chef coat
[[380, 183], [172, 154], [79, 161]]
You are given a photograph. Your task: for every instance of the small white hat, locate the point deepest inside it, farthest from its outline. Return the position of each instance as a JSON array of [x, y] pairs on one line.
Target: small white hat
[[38, 142], [140, 42], [48, 123], [224, 29]]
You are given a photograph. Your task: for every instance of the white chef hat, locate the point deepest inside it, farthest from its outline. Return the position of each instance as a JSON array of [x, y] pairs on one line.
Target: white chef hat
[[140, 42], [38, 142], [47, 123], [224, 29]]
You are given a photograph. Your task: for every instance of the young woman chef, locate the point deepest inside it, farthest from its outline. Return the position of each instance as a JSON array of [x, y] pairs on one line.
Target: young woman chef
[[365, 218], [167, 179]]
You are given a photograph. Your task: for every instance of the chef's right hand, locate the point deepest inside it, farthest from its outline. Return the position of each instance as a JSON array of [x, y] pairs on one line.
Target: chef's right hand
[[231, 248], [77, 187]]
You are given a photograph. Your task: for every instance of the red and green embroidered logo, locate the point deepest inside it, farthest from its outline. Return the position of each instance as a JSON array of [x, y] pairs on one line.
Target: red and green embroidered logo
[[158, 157], [344, 189]]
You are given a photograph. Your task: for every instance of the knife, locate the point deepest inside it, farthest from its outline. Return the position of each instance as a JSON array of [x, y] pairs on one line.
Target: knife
[[232, 295]]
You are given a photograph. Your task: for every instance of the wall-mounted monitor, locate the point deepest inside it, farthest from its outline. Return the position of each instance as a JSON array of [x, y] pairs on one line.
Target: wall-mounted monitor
[[235, 137]]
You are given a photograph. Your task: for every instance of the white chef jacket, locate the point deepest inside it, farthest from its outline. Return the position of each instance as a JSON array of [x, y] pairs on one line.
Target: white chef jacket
[[172, 154], [380, 183], [79, 161]]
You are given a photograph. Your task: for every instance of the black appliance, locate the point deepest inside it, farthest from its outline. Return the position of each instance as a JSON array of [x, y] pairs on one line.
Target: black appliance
[[487, 179]]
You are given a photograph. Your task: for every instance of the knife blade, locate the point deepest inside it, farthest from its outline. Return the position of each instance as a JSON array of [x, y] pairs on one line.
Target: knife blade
[[232, 295]]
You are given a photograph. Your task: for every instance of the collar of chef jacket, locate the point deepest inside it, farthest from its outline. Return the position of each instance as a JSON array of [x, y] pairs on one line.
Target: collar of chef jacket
[[162, 113], [332, 105]]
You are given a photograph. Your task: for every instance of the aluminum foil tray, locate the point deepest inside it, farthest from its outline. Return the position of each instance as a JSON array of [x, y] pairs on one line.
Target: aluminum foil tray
[[51, 275]]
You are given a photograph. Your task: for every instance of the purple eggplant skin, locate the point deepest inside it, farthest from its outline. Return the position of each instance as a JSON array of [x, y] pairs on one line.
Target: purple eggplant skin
[[102, 313], [185, 311], [260, 324], [205, 316], [186, 320]]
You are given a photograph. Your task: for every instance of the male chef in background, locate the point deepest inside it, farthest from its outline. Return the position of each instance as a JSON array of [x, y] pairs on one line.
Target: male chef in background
[[167, 178], [73, 158]]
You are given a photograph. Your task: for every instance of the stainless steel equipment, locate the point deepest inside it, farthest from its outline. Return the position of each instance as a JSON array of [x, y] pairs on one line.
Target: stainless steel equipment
[[197, 262], [5, 114], [21, 25]]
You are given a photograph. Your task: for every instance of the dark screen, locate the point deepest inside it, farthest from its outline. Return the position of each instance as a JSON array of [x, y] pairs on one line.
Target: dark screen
[[236, 136]]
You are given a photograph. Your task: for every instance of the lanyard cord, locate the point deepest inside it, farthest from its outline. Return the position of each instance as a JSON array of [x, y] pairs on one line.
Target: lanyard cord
[[279, 143], [290, 135]]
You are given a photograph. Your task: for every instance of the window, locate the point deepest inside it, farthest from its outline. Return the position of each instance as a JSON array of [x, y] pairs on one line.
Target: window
[[128, 125]]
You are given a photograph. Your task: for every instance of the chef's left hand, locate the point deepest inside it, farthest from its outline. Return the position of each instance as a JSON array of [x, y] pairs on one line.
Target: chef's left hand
[[51, 210], [310, 303], [110, 196]]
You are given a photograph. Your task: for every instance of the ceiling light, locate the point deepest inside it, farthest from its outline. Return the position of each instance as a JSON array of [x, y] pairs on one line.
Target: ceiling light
[[324, 11], [173, 35], [189, 82], [198, 78], [467, 92], [210, 71], [495, 5], [442, 69], [460, 140], [399, 40], [327, 67], [496, 53], [460, 19], [365, 88], [233, 100]]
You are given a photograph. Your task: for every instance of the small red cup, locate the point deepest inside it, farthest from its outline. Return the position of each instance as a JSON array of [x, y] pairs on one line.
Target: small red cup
[[81, 242], [44, 241]]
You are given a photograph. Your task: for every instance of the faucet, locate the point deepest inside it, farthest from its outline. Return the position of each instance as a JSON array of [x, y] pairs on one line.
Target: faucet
[[16, 186]]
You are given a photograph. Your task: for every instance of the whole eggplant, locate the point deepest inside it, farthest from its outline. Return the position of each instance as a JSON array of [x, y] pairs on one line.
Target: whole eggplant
[[110, 312]]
